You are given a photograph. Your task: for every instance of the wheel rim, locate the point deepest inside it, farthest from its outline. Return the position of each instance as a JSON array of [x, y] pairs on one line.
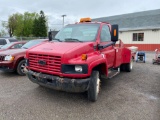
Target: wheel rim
[[22, 67], [98, 85]]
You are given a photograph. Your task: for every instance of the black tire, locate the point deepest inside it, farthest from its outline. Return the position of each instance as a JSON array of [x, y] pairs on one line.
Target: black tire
[[122, 67], [20, 68], [128, 66], [153, 61], [133, 59], [94, 86]]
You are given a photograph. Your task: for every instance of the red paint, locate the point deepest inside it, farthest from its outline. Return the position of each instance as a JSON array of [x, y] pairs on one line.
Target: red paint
[[144, 47], [12, 45]]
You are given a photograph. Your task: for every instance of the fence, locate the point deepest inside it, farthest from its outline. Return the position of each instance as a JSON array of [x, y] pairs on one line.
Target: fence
[[30, 38]]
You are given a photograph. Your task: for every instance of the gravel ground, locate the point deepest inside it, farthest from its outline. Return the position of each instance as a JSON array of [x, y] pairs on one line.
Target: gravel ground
[[127, 96]]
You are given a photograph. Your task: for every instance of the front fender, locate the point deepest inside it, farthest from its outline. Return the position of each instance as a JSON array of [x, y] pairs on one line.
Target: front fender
[[18, 59], [92, 61], [96, 63]]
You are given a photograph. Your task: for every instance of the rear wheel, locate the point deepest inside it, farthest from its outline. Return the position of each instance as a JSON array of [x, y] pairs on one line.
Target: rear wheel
[[20, 67], [128, 66], [94, 86], [153, 61], [122, 67]]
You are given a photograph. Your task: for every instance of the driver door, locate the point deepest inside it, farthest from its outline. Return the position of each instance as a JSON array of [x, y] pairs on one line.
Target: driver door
[[109, 52]]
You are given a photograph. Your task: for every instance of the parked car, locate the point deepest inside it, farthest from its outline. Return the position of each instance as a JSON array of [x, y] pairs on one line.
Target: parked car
[[13, 59], [4, 41], [12, 45]]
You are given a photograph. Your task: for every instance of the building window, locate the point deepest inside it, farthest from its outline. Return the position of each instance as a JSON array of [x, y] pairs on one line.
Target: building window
[[138, 36]]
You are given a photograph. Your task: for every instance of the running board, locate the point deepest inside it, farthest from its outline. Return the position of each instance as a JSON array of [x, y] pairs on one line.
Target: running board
[[113, 72]]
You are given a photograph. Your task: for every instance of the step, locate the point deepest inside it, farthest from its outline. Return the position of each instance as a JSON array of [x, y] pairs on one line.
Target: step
[[111, 73]]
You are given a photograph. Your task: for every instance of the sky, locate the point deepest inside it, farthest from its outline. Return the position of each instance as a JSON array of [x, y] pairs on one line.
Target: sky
[[74, 9]]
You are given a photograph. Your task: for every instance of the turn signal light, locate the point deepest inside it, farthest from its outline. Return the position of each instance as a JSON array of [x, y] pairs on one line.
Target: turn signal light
[[84, 57], [115, 32]]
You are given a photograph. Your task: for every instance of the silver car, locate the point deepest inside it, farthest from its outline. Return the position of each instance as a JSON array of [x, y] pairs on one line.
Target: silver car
[[4, 41]]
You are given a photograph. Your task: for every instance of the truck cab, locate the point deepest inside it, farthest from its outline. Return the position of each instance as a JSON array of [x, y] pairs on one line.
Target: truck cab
[[78, 57]]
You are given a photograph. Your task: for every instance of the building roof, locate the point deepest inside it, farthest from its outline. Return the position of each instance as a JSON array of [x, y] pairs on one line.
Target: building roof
[[134, 21]]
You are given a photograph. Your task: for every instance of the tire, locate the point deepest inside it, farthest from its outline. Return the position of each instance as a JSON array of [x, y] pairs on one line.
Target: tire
[[94, 86], [153, 61], [129, 66], [20, 68], [122, 67], [133, 59]]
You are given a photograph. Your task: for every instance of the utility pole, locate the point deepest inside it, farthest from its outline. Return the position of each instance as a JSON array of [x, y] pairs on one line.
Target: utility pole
[[63, 18]]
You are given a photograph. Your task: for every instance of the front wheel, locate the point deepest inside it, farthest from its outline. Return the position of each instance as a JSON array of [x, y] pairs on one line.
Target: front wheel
[[94, 86], [20, 67]]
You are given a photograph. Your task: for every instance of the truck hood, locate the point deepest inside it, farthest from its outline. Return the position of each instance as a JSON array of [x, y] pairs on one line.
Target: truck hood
[[66, 50], [13, 52]]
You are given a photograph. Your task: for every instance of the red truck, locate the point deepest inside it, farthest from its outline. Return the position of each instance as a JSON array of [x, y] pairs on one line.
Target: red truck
[[79, 56]]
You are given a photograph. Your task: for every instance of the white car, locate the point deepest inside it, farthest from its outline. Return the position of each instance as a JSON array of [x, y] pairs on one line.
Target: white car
[[4, 41]]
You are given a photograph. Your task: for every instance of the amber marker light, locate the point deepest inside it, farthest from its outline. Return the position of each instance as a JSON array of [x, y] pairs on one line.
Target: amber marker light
[[85, 19], [12, 58], [115, 32], [84, 57]]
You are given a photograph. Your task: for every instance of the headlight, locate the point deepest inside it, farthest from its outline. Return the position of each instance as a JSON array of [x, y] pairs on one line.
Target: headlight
[[74, 69], [9, 58], [78, 68]]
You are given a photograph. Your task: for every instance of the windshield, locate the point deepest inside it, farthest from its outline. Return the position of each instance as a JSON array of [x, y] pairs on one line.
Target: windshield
[[6, 45], [31, 43], [78, 33]]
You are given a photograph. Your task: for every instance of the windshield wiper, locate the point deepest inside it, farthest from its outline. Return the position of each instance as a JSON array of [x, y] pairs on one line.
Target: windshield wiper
[[57, 39], [72, 39]]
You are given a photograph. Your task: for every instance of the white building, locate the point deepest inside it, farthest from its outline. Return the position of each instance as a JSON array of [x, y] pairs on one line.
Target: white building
[[141, 29]]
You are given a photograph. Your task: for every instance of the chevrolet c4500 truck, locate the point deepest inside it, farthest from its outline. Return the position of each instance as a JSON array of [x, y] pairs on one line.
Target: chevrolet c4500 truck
[[78, 58]]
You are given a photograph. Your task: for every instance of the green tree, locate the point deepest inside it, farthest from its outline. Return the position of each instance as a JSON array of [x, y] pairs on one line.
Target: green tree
[[40, 25], [28, 20], [36, 27], [12, 23], [21, 24]]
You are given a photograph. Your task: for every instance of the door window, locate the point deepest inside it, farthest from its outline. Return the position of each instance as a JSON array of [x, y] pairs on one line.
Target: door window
[[17, 45], [105, 34]]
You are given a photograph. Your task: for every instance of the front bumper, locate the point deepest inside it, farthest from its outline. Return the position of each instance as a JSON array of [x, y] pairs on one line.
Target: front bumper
[[7, 66], [59, 83]]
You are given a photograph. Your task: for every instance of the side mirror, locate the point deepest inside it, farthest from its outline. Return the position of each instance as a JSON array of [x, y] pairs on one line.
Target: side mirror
[[50, 35], [114, 33]]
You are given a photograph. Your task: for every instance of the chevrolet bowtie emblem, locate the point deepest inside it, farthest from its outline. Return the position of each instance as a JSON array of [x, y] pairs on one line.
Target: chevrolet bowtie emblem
[[42, 62]]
